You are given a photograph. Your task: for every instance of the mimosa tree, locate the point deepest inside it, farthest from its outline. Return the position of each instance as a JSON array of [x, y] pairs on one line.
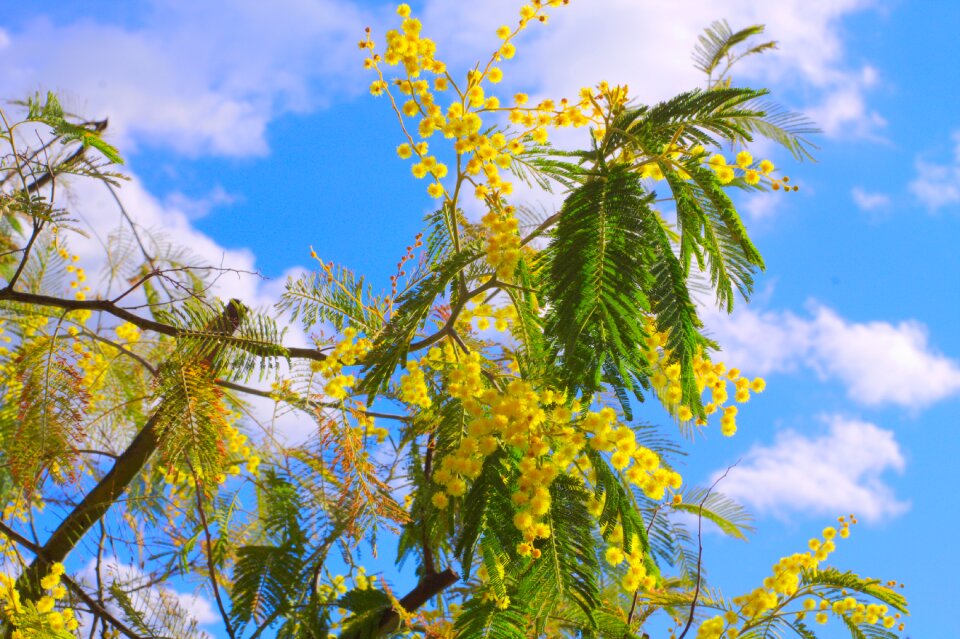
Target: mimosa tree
[[477, 416]]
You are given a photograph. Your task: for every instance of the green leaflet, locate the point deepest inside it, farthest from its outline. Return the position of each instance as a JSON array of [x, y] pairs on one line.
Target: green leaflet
[[341, 298], [393, 341], [367, 608], [50, 112], [265, 579], [156, 613], [594, 275], [725, 513], [236, 340], [487, 510], [190, 417], [484, 620], [568, 566], [619, 508]]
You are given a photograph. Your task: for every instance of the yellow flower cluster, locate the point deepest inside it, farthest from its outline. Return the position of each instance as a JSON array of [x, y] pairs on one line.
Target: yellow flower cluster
[[30, 325], [94, 366], [640, 465], [413, 386], [784, 586], [636, 576], [502, 246], [501, 317], [551, 438], [19, 508], [80, 276], [39, 616], [859, 612], [348, 352], [361, 581], [751, 171], [708, 375], [480, 157], [128, 333], [366, 423], [239, 455], [6, 339], [332, 590]]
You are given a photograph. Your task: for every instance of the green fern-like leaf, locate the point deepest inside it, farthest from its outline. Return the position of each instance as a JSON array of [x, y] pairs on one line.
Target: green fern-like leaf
[[156, 613], [725, 513], [393, 341], [568, 564], [191, 418], [595, 272], [717, 42], [487, 510], [482, 619], [50, 112], [339, 297], [265, 579]]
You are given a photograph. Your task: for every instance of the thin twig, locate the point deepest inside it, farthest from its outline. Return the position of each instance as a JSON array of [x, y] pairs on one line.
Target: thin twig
[[636, 593], [71, 584], [696, 590], [105, 306], [211, 563], [308, 403]]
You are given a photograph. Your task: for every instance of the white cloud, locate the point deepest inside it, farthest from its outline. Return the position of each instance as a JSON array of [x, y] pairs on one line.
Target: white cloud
[[938, 185], [843, 112], [646, 44], [762, 206], [869, 201], [198, 207], [93, 203], [201, 78], [835, 473], [112, 570], [878, 362]]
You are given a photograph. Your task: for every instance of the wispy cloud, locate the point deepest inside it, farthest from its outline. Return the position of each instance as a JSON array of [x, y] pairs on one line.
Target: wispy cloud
[[880, 363], [645, 44], [199, 78], [837, 472], [938, 185], [868, 200]]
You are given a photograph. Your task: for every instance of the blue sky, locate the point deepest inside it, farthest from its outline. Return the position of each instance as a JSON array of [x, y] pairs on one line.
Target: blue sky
[[249, 136]]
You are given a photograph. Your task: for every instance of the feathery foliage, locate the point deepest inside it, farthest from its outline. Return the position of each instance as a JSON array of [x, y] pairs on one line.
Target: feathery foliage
[[481, 411]]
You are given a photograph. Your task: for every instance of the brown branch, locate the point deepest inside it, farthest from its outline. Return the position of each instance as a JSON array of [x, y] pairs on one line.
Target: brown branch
[[428, 587], [696, 590], [37, 228], [109, 489], [211, 563], [82, 594], [447, 328], [106, 306], [546, 224]]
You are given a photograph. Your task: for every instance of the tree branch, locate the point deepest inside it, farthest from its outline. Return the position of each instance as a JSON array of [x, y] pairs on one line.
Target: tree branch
[[429, 587], [106, 306], [71, 584], [109, 489], [696, 590]]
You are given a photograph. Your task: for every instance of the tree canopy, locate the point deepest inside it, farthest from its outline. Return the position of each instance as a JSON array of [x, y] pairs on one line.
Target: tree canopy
[[477, 415]]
